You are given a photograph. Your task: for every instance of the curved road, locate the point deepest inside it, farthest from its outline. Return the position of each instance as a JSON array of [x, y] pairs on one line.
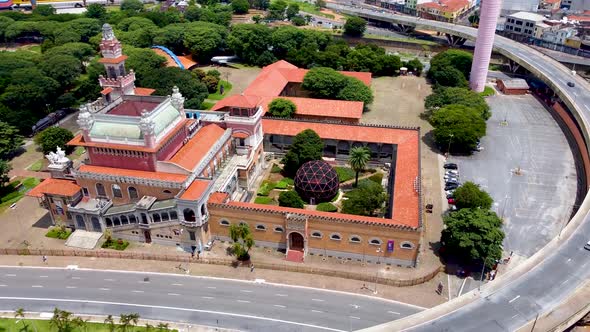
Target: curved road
[[510, 303], [226, 303]]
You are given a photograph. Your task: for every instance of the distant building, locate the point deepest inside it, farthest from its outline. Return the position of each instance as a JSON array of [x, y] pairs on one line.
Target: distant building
[[411, 6], [558, 36], [550, 5], [516, 86], [512, 6], [523, 23], [576, 5], [443, 10]]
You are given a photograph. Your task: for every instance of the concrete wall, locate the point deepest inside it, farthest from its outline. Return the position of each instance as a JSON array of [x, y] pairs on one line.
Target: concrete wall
[[142, 190]]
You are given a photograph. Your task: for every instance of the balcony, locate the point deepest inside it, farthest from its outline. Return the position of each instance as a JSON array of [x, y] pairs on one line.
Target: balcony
[[196, 223]]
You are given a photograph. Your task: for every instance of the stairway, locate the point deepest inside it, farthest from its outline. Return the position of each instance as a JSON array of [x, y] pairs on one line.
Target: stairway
[[294, 256]]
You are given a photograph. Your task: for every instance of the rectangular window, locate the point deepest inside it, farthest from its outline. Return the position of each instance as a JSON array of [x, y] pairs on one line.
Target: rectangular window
[[192, 236], [85, 191]]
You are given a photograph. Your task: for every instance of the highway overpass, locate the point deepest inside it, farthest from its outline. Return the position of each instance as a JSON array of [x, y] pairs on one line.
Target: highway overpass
[[550, 277]]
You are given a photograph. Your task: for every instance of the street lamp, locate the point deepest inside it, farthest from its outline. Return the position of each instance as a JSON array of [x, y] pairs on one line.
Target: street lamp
[[449, 147], [378, 251]]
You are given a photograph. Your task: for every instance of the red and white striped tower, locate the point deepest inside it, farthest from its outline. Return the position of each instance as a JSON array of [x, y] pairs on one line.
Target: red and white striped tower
[[488, 18]]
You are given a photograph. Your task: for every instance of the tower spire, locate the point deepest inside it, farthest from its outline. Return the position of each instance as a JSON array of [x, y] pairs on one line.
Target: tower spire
[[117, 82]]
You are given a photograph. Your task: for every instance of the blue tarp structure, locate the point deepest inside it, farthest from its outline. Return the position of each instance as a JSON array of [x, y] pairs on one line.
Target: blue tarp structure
[[172, 55]]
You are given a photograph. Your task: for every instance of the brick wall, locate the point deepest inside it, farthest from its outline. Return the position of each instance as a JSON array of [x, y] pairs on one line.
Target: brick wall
[[146, 163], [142, 190]]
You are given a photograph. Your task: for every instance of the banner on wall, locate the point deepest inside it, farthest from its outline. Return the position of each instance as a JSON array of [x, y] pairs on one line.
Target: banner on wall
[[390, 246]]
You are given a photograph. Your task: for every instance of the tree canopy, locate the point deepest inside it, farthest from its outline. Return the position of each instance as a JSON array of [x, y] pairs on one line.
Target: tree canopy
[[324, 82], [365, 199], [457, 126], [460, 96], [355, 26], [282, 108], [165, 78], [470, 196], [240, 6], [52, 137], [290, 199], [451, 68], [243, 240], [306, 146], [473, 235], [10, 140], [5, 168], [358, 159], [132, 5]]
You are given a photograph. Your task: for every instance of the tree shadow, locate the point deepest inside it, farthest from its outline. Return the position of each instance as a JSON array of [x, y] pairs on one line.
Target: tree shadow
[[428, 139], [43, 222]]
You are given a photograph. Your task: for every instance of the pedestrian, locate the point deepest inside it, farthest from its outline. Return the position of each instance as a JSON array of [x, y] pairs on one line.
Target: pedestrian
[[44, 259], [199, 254], [252, 268], [193, 254]]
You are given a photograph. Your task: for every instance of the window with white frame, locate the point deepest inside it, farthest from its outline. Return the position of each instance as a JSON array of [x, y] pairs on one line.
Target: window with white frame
[[279, 229], [260, 227], [406, 245], [224, 222], [375, 241], [317, 234], [355, 239], [335, 237], [117, 191]]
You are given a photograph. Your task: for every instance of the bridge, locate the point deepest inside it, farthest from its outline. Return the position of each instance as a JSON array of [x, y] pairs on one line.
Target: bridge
[[538, 288]]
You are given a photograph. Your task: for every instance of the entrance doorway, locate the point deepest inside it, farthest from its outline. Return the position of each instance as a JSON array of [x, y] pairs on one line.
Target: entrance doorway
[[296, 241], [148, 236]]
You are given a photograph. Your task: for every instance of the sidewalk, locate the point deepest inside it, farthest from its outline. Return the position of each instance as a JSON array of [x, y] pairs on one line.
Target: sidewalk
[[421, 295]]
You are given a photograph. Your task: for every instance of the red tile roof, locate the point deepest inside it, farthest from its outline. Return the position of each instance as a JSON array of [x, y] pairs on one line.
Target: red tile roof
[[171, 177], [406, 209], [218, 197], [144, 91], [189, 156], [239, 135], [106, 91], [237, 101], [195, 190], [446, 5], [324, 107], [113, 60], [55, 187]]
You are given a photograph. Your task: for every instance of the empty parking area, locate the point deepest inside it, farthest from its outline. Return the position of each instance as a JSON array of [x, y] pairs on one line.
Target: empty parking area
[[528, 168]]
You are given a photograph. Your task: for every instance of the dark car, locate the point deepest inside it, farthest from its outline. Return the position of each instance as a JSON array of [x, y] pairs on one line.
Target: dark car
[[571, 84], [587, 246], [451, 186], [452, 182], [450, 166], [449, 196]]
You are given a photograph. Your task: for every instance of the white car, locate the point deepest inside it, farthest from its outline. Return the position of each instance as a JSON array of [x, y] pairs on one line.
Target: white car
[[450, 192], [451, 176], [451, 172], [587, 246]]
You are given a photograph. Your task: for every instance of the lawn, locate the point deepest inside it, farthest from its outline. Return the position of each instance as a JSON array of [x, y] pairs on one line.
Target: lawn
[[263, 200], [401, 39], [14, 191], [11, 325], [217, 95], [36, 166], [488, 91], [207, 105], [61, 233], [118, 244], [308, 8]]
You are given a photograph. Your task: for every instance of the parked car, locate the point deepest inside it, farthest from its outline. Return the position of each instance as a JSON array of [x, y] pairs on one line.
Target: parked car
[[451, 186], [450, 171], [450, 166], [587, 246], [209, 245], [451, 200], [452, 207], [453, 182], [451, 176], [449, 196], [571, 84], [450, 192]]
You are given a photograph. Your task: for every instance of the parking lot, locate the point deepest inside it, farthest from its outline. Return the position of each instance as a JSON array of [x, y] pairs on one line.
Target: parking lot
[[528, 168]]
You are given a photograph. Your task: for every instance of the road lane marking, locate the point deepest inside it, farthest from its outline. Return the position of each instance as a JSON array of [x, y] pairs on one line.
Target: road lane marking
[[393, 312], [137, 291], [243, 301], [105, 289], [513, 316], [43, 276], [355, 317], [281, 294], [246, 291], [10, 275], [109, 279], [137, 305], [317, 311], [37, 286], [279, 306], [514, 299], [211, 287], [71, 287], [2, 285], [176, 284], [173, 294], [77, 278], [356, 306], [317, 300], [207, 297]]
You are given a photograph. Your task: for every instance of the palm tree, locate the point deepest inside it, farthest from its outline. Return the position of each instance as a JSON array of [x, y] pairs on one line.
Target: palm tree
[[110, 322], [163, 327], [358, 159], [61, 320], [82, 324], [20, 313]]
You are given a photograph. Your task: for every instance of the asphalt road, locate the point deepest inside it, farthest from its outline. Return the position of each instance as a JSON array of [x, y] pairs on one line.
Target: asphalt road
[[517, 301], [214, 302]]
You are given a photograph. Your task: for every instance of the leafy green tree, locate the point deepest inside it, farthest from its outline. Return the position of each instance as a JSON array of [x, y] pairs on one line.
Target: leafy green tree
[[473, 235], [306, 146], [282, 108], [204, 39], [143, 62], [240, 6], [355, 26], [10, 140], [217, 14], [193, 13], [110, 322], [132, 5], [50, 138], [365, 200], [260, 4], [211, 82], [97, 11], [461, 96], [358, 159], [291, 199], [441, 65], [62, 68], [126, 321], [31, 90], [415, 66], [319, 4], [390, 65], [163, 18], [44, 10], [172, 36], [80, 51], [249, 41], [20, 312], [243, 240], [5, 168], [164, 79], [62, 321], [5, 22], [292, 10], [324, 82], [256, 19], [355, 90], [449, 76], [136, 23], [458, 125], [276, 10], [298, 21], [80, 323], [471, 196], [85, 27], [370, 58]]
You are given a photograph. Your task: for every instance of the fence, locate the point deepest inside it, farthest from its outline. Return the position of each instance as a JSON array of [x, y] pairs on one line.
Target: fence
[[224, 262]]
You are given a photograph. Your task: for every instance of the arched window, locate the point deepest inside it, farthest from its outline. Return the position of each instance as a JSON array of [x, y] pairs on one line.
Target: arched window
[[355, 239], [156, 217], [203, 210], [117, 191], [224, 222], [173, 215], [144, 219], [317, 234], [132, 219], [116, 221], [241, 223], [124, 220], [100, 190], [109, 222], [165, 216], [375, 241], [335, 237], [167, 191], [260, 227], [189, 215], [132, 193], [279, 229], [407, 245]]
